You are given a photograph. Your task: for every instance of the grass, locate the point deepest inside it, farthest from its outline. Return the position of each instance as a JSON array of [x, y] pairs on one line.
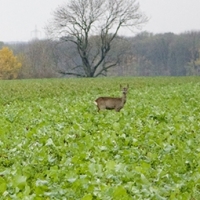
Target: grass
[[55, 145]]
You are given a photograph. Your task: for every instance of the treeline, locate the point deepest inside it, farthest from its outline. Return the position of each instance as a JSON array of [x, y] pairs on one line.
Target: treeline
[[146, 54], [167, 54]]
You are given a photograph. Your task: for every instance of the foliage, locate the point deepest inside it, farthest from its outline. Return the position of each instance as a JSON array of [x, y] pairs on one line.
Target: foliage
[[55, 145], [9, 64]]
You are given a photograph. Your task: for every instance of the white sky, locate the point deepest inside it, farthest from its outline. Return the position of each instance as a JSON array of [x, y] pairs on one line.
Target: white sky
[[18, 18]]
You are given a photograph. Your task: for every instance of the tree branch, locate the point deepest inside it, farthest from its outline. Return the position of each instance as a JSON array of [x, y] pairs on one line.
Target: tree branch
[[71, 73], [105, 69]]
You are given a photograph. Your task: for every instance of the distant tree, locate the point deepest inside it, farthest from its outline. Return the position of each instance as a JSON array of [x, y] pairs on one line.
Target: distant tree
[[92, 25], [1, 44], [167, 54], [193, 67], [9, 64], [37, 59]]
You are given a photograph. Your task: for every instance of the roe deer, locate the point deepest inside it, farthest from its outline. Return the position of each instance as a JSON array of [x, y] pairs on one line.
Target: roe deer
[[111, 103]]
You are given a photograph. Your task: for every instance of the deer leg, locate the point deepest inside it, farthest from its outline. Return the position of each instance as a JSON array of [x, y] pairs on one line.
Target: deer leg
[[117, 109]]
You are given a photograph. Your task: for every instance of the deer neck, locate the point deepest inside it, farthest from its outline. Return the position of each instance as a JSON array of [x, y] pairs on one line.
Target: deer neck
[[123, 98]]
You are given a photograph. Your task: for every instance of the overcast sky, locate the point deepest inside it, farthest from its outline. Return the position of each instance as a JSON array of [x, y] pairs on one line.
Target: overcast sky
[[19, 18]]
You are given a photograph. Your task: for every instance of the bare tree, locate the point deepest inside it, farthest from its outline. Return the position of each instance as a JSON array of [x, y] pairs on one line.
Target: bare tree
[[80, 21], [37, 59]]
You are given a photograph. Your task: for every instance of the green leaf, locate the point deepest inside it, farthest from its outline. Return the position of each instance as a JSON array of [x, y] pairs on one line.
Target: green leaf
[[3, 185], [20, 181], [87, 197]]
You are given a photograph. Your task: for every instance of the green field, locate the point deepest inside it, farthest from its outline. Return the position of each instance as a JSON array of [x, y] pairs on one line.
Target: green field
[[55, 145]]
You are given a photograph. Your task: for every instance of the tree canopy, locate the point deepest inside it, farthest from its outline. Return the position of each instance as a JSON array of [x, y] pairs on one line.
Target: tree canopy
[[92, 25], [9, 64]]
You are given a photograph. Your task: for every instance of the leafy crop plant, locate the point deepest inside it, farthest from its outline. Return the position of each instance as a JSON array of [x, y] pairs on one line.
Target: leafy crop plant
[[54, 145]]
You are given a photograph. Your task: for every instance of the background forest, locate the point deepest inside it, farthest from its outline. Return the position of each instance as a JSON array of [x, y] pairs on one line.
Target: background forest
[[145, 54]]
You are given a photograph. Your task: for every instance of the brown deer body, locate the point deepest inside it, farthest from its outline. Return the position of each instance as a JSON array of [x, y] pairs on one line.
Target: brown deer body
[[112, 103]]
